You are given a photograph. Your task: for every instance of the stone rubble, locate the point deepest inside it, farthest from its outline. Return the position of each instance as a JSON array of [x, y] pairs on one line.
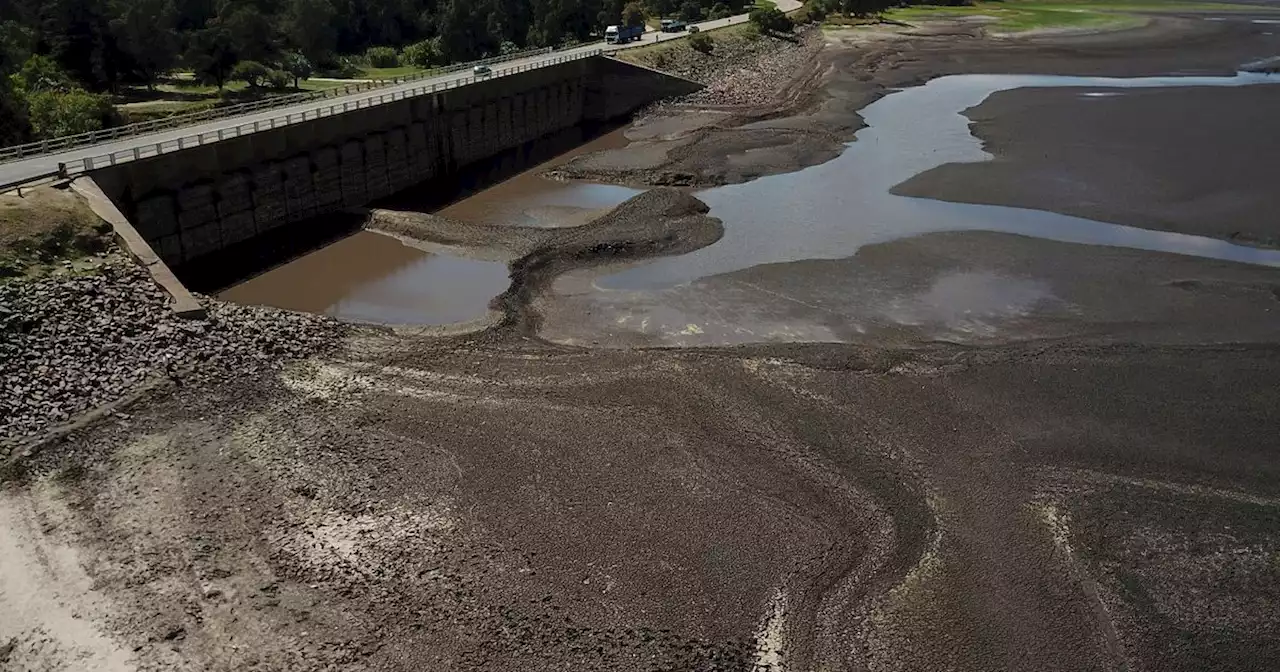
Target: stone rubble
[[73, 342], [747, 72]]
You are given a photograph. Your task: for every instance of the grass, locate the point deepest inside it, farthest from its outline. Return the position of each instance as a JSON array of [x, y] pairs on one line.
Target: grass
[[656, 55], [388, 73], [1024, 15], [180, 95], [765, 4], [46, 226]]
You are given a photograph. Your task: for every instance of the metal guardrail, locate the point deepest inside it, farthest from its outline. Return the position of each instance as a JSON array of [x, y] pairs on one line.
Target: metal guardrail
[[195, 140], [62, 144]]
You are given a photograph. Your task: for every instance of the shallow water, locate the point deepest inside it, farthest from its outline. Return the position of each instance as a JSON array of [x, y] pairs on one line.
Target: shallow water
[[369, 277], [830, 210]]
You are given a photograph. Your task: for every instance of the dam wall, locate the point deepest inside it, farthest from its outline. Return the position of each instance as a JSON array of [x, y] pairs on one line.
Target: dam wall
[[191, 203]]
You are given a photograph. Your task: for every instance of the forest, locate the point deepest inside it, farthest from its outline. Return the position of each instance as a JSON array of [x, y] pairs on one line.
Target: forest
[[61, 60]]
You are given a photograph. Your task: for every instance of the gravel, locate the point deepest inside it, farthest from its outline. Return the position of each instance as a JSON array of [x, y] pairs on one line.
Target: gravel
[[742, 72], [72, 342]]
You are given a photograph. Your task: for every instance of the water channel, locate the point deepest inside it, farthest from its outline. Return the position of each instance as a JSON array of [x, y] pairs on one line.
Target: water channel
[[827, 211]]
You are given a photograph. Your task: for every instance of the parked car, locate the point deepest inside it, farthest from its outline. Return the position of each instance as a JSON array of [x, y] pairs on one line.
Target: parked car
[[481, 71]]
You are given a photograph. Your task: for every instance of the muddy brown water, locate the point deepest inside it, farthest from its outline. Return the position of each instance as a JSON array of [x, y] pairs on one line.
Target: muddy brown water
[[369, 277], [826, 211]]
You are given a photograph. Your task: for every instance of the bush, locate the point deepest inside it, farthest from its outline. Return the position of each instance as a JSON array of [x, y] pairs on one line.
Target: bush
[[279, 79], [382, 57], [252, 73], [690, 11], [702, 43], [720, 11], [424, 54], [54, 114], [771, 20], [297, 66]]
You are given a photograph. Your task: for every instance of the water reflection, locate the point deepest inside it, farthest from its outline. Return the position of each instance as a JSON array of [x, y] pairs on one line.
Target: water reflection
[[830, 210], [369, 277]]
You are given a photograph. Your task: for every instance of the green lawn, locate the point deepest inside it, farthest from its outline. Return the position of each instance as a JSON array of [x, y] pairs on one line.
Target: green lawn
[[1021, 15], [387, 73]]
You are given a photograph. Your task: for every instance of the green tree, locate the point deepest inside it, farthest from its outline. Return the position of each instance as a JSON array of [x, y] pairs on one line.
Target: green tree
[[77, 35], [633, 14], [297, 66], [252, 73], [212, 54], [690, 11], [144, 30], [424, 54], [309, 27], [54, 114], [720, 11], [771, 20], [253, 37], [15, 127], [41, 73]]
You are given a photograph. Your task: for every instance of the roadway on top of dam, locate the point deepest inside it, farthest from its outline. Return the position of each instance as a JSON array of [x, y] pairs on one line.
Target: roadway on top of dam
[[35, 166]]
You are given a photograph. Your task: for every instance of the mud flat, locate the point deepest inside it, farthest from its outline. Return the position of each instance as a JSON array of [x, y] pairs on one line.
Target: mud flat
[[1088, 481], [1191, 160]]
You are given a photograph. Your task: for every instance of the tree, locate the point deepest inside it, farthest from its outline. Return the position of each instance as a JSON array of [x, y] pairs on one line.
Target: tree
[[309, 27], [54, 114], [145, 32], [720, 11], [41, 73], [424, 54], [771, 20], [297, 66], [77, 36], [632, 14], [702, 43], [211, 54], [15, 127], [253, 37], [690, 11], [252, 73]]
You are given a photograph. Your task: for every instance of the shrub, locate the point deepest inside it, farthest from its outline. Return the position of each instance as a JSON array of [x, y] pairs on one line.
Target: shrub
[[54, 114], [702, 43], [771, 20], [297, 66], [424, 54], [720, 11], [279, 79], [252, 73], [382, 57]]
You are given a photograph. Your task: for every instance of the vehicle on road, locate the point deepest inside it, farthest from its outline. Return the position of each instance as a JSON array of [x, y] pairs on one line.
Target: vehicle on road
[[673, 26], [481, 71], [622, 34]]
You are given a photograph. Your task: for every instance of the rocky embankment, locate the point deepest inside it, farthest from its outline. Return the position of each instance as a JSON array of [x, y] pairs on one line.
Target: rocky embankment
[[76, 341], [740, 70]]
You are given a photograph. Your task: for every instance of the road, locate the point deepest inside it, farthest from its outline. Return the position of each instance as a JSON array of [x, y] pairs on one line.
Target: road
[[28, 168]]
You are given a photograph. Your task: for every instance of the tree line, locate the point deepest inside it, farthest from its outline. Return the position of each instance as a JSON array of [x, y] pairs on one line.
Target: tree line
[[59, 58]]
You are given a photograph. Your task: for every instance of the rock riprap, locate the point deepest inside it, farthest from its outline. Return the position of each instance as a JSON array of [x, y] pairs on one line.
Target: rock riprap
[[72, 342]]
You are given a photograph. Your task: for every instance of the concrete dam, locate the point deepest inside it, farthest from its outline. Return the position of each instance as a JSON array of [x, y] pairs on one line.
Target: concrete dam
[[190, 204]]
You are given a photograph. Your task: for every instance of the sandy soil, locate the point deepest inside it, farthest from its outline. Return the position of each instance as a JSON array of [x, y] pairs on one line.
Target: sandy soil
[[1055, 499]]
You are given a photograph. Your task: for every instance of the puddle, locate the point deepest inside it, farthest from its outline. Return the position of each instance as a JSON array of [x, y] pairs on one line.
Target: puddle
[[369, 277], [831, 210]]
